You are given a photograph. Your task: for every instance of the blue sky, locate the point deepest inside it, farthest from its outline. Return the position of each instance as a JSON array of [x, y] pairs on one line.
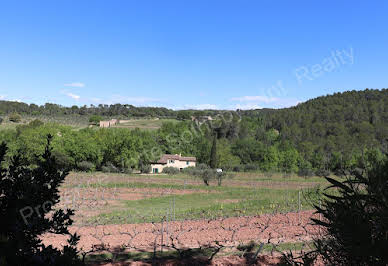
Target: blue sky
[[190, 54]]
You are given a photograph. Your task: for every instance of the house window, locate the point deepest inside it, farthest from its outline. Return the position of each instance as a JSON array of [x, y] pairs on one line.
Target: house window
[[172, 161], [155, 170], [187, 163]]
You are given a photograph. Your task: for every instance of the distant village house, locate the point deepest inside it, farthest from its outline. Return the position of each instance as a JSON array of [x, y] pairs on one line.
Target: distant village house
[[171, 160], [113, 122], [109, 123], [202, 119]]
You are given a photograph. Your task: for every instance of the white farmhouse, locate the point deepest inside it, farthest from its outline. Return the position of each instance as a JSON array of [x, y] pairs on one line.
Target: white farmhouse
[[172, 160]]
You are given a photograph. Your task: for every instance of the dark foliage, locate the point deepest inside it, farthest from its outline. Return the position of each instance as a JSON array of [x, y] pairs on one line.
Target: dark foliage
[[354, 219], [325, 129], [27, 196], [125, 110], [63, 161]]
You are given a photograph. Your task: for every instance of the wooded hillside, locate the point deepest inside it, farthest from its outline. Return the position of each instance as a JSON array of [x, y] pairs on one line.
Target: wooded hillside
[[329, 133]]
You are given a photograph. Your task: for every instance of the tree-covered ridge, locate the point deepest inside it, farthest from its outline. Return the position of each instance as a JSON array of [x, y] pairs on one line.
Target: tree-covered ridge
[[337, 125], [330, 133], [121, 110]]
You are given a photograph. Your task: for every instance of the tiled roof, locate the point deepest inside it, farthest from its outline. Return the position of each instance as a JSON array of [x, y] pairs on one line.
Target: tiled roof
[[166, 157]]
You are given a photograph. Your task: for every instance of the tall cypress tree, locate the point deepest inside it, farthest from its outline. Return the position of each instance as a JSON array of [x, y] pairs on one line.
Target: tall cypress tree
[[213, 153]]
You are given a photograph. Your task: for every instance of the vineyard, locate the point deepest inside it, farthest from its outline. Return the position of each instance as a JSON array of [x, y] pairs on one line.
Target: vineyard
[[119, 215]]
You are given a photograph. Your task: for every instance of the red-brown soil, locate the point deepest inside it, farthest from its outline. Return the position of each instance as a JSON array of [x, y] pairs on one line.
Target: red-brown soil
[[279, 228]]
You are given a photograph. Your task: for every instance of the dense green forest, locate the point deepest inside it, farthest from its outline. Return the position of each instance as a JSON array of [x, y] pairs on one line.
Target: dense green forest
[[118, 110], [329, 133]]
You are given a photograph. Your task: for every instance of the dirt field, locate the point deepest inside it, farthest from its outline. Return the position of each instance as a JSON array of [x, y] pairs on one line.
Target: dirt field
[[278, 228]]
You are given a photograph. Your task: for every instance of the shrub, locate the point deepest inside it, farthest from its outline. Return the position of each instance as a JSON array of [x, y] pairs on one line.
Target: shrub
[[15, 117], [109, 168], [36, 123], [322, 172], [202, 166], [250, 167], [86, 166], [1, 120], [127, 170], [170, 170], [305, 172], [188, 170], [145, 168], [95, 119], [237, 168], [29, 194], [204, 172]]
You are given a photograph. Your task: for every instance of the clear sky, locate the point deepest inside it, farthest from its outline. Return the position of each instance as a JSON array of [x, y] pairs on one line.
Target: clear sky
[[190, 54]]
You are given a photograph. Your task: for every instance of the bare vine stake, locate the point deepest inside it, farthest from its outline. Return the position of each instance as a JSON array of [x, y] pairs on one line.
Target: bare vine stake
[[168, 214], [299, 206], [320, 215], [174, 208], [161, 245]]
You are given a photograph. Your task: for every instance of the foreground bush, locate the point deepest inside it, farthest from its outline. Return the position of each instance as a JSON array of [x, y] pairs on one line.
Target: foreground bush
[[27, 195], [354, 219]]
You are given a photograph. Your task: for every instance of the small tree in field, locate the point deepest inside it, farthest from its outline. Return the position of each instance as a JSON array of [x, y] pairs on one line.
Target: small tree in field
[[220, 176], [207, 174], [27, 197], [354, 221]]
